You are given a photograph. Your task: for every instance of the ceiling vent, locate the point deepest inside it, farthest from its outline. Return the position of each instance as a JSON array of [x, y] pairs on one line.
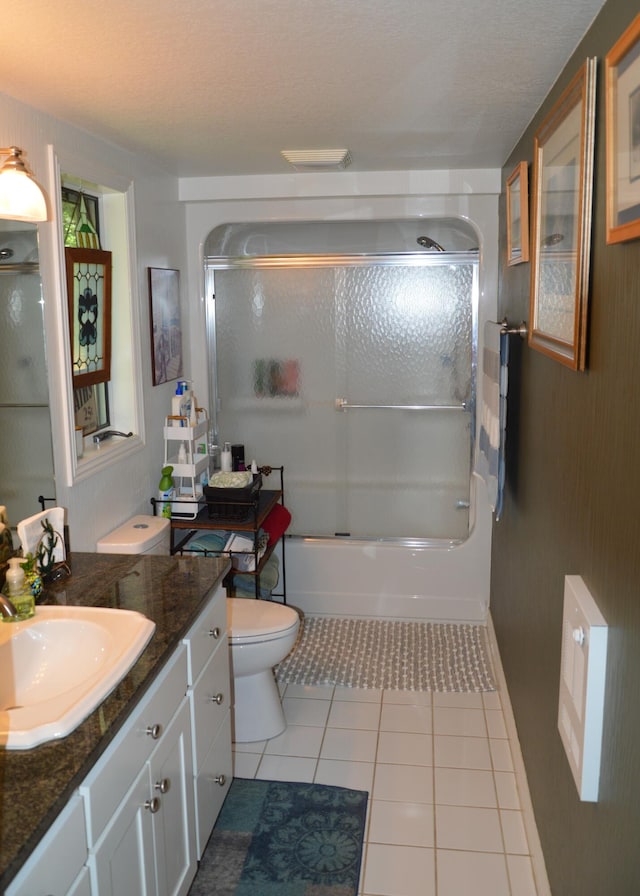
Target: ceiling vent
[[318, 159]]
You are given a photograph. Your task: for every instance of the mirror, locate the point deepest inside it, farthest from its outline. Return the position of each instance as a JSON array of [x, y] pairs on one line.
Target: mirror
[[26, 453]]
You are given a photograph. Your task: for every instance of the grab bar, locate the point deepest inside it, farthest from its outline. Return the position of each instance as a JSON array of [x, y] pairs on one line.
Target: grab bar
[[343, 405]]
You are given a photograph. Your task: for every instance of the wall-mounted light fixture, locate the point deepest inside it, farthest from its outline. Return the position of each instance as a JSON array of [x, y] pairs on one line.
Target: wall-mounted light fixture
[[21, 196]]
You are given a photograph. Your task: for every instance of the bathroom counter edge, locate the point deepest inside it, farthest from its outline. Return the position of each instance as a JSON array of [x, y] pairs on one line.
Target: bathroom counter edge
[[37, 783]]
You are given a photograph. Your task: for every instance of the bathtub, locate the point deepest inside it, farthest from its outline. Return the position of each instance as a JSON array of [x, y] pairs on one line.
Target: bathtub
[[439, 581]]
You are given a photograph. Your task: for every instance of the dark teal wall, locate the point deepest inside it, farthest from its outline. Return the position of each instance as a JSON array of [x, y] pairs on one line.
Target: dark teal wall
[[572, 506]]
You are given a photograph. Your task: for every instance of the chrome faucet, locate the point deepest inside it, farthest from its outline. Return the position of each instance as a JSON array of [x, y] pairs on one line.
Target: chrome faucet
[[6, 607]]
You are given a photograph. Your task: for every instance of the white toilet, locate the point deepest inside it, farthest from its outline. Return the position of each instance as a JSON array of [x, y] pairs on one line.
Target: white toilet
[[261, 634], [142, 534]]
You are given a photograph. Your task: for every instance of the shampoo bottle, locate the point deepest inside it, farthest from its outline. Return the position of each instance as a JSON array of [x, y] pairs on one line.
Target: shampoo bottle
[[19, 592]]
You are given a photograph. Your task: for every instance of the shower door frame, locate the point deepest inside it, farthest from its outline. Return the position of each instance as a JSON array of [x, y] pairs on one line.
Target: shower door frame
[[403, 259]]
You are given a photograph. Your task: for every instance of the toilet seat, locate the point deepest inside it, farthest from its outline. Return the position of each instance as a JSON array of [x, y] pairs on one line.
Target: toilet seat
[[252, 621]]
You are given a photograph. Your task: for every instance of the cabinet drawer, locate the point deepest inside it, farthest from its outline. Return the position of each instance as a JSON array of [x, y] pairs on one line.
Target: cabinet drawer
[[210, 790], [59, 857], [210, 702], [105, 786], [207, 633]]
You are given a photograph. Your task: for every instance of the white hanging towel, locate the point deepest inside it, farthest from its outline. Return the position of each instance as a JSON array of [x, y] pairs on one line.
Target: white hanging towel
[[30, 532], [490, 454]]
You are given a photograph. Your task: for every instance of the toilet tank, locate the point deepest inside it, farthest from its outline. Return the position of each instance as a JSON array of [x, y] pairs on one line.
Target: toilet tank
[[141, 534]]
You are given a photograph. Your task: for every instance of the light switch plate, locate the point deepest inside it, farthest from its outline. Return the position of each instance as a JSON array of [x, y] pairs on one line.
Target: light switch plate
[[582, 683]]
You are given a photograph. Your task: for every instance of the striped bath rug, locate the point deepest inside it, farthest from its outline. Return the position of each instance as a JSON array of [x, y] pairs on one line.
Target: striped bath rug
[[381, 653]]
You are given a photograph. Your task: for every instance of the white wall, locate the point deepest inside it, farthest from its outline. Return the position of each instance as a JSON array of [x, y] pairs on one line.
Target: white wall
[[98, 503]]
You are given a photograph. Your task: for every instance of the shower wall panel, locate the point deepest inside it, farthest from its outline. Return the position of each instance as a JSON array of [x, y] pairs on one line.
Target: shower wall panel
[[394, 340]]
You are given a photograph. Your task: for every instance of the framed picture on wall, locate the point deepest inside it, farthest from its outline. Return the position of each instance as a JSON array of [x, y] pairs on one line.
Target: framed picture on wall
[[518, 215], [622, 70], [166, 326], [561, 231]]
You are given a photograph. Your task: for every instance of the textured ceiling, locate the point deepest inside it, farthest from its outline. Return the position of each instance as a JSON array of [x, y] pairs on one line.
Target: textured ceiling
[[219, 87]]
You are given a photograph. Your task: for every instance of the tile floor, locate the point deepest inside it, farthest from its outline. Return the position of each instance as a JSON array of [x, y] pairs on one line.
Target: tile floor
[[445, 816]]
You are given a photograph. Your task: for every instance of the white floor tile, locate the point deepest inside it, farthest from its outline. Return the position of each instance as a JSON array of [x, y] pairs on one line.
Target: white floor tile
[[310, 691], [256, 746], [399, 871], [402, 824], [507, 790], [348, 743], [491, 700], [501, 755], [287, 768], [302, 711], [296, 740], [495, 723], [245, 765], [521, 876], [415, 698], [398, 717], [461, 752], [471, 873], [465, 787], [359, 695], [461, 722], [406, 783], [403, 748], [354, 715], [458, 701], [468, 828], [515, 838], [342, 773]]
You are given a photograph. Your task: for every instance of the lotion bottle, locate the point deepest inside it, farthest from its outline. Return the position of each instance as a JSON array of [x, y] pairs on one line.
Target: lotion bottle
[[225, 458], [19, 592]]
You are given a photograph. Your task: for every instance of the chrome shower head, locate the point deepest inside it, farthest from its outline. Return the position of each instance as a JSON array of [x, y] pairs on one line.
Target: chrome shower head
[[427, 243]]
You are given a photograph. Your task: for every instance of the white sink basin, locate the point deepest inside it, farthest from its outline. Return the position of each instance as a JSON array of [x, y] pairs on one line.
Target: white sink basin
[[56, 667]]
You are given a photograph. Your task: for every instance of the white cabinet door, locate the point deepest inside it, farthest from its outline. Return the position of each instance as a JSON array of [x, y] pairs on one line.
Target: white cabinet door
[[123, 861], [171, 783]]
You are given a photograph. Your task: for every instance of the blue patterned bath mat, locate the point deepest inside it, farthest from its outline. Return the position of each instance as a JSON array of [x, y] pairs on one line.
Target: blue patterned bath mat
[[384, 653], [275, 838]]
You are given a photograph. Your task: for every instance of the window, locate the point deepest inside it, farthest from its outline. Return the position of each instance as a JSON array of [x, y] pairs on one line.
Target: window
[[81, 229]]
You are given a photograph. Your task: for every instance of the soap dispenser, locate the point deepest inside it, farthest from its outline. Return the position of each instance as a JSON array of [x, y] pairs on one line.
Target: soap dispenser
[[19, 592]]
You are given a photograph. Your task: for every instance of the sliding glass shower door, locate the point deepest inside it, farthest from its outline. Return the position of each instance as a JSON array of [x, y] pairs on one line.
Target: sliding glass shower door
[[359, 379]]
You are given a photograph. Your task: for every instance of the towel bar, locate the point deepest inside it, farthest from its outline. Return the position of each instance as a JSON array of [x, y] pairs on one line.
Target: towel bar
[[520, 330], [342, 404]]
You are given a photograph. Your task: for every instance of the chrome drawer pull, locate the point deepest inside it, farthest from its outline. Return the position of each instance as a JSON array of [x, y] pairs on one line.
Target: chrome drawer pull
[[217, 698], [152, 805], [163, 785], [220, 779], [214, 632], [154, 731]]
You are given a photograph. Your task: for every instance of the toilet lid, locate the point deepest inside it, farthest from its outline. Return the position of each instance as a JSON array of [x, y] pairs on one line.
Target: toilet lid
[[255, 619]]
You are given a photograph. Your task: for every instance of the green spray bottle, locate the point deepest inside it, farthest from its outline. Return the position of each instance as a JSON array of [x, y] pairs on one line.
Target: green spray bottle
[[165, 491]]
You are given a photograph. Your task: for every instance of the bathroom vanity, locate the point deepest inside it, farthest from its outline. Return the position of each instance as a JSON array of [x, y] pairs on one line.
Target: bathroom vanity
[[127, 801]]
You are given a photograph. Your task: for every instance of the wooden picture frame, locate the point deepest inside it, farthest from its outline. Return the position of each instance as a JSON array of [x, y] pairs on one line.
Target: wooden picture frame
[[518, 214], [561, 232], [88, 275], [622, 71], [166, 326]]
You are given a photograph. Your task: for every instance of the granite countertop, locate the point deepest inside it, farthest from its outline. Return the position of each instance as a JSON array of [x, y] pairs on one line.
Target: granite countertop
[[37, 783]]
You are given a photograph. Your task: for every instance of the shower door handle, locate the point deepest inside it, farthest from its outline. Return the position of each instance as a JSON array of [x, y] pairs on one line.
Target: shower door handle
[[341, 404]]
